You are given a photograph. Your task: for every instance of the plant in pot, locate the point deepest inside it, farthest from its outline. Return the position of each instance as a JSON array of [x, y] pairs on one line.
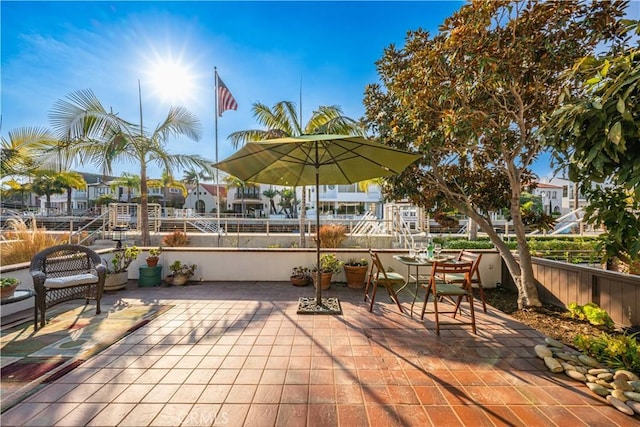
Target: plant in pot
[[300, 276], [117, 275], [180, 273], [8, 286], [329, 264], [154, 256], [355, 271]]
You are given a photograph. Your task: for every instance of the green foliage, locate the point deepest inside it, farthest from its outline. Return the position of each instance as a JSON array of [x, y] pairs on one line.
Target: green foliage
[[362, 262], [617, 351], [155, 252], [178, 268], [329, 264], [123, 258], [5, 282], [591, 313], [301, 272], [596, 137]]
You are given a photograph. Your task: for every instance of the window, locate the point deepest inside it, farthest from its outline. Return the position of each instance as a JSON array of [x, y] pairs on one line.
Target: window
[[174, 190]]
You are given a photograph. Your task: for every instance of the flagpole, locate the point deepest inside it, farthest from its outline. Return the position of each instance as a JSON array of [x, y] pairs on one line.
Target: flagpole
[[215, 72]]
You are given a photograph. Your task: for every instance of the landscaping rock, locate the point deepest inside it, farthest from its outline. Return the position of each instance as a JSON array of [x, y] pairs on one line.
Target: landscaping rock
[[591, 378], [599, 371], [619, 394], [635, 385], [598, 389], [630, 375], [568, 357], [620, 405], [621, 384], [604, 383], [588, 360], [542, 351], [606, 376], [553, 343], [634, 405], [575, 375], [632, 395], [553, 365]]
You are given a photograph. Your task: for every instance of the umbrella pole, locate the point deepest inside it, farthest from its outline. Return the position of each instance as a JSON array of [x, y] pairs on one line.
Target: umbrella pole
[[319, 275]]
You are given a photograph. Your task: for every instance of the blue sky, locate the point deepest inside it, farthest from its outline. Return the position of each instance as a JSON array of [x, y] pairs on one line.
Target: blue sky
[[264, 52]]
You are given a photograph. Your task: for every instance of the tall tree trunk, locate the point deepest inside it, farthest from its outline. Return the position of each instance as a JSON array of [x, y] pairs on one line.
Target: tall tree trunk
[[69, 210]]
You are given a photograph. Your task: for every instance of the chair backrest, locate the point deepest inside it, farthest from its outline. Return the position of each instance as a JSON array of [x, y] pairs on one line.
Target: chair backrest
[[65, 260], [377, 268], [442, 268], [473, 258]]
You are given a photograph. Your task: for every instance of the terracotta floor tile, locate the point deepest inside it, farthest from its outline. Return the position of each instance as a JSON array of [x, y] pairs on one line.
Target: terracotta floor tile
[[560, 415], [348, 394], [241, 393], [173, 414], [383, 415], [232, 414], [472, 415], [412, 415], [352, 415], [502, 416], [292, 415], [531, 416], [402, 395], [260, 415], [214, 393], [110, 415], [268, 393], [595, 418], [376, 395], [142, 414], [292, 393], [322, 414], [322, 393]]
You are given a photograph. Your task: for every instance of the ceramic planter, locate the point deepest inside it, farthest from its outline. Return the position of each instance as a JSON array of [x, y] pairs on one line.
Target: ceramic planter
[[114, 282], [325, 280], [356, 275]]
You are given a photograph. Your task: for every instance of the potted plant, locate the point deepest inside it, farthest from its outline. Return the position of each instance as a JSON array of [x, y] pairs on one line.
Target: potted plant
[[355, 271], [8, 286], [154, 256], [118, 275], [180, 273], [300, 276], [329, 264]]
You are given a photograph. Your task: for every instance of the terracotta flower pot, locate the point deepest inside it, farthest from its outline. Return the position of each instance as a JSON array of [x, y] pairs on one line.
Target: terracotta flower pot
[[7, 291], [356, 275], [299, 281], [325, 280], [152, 261]]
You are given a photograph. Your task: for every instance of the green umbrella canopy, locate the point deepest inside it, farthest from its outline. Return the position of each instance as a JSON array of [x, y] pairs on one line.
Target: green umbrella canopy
[[294, 161], [314, 160]]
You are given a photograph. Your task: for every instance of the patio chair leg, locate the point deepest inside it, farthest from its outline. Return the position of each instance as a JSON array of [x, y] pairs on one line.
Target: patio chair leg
[[473, 315], [373, 297], [424, 306]]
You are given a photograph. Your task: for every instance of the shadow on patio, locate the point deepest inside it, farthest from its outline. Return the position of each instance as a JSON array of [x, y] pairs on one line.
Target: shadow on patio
[[236, 353]]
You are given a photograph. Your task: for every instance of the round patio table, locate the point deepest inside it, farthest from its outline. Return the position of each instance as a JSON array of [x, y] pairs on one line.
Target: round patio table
[[18, 295]]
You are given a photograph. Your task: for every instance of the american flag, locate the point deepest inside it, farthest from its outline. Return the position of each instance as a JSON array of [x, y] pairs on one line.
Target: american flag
[[226, 101]]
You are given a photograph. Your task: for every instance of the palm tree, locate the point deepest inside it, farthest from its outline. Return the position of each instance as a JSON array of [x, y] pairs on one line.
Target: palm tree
[[271, 193], [47, 183], [165, 182], [101, 137], [71, 180], [282, 121], [128, 180]]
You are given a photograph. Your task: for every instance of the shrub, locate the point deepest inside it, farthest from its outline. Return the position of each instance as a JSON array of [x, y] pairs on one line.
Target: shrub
[[175, 239], [332, 235], [26, 241], [618, 352], [591, 313]]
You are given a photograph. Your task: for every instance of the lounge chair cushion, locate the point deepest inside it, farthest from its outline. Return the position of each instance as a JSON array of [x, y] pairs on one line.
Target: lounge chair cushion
[[63, 282]]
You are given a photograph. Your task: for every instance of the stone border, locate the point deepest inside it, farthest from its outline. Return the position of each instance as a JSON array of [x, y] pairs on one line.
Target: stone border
[[620, 387]]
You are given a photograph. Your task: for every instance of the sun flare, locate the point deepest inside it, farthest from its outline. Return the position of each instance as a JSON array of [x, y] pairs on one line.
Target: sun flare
[[172, 81]]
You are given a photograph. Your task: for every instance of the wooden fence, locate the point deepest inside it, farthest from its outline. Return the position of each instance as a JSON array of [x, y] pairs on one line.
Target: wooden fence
[[560, 283]]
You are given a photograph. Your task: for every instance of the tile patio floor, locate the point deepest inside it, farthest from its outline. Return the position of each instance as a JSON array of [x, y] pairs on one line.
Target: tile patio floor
[[237, 354]]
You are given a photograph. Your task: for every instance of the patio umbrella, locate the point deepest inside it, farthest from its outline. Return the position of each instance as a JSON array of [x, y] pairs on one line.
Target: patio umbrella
[[315, 160]]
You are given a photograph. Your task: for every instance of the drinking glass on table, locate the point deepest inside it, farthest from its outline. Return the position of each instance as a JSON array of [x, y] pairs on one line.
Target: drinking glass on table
[[437, 249]]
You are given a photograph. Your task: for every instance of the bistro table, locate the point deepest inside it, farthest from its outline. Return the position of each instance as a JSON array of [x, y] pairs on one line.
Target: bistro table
[[418, 262], [18, 295]]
